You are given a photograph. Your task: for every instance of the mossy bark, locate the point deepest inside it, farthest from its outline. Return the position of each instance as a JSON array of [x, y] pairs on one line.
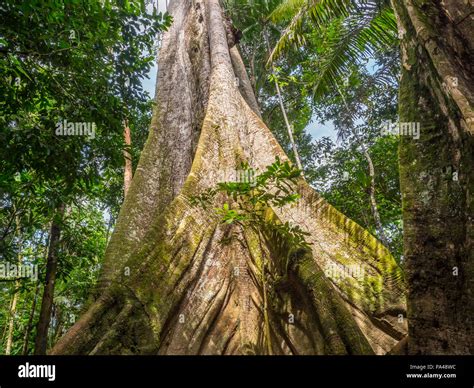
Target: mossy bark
[[436, 173], [176, 281]]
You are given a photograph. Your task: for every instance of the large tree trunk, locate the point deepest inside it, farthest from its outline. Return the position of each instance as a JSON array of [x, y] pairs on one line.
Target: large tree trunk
[[436, 173], [170, 285]]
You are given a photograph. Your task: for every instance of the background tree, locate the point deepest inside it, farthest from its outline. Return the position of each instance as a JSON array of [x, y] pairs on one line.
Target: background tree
[[83, 63], [436, 90]]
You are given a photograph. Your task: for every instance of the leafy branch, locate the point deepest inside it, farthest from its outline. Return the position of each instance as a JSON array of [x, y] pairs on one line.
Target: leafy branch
[[245, 202]]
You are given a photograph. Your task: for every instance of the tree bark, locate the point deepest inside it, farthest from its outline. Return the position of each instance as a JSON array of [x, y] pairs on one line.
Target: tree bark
[[436, 173], [11, 320], [169, 284], [128, 169], [26, 337], [41, 340], [253, 77]]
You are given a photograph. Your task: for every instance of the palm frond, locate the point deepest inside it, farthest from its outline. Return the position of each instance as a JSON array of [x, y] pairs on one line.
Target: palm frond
[[348, 33], [320, 12], [287, 10], [355, 42]]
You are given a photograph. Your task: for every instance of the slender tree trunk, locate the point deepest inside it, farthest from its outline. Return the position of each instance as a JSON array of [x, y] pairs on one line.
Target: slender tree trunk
[[289, 128], [41, 340], [11, 320], [436, 173], [29, 326], [169, 285], [5, 327], [373, 200], [128, 169]]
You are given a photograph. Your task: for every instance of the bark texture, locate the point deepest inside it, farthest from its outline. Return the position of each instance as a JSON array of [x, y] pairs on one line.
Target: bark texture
[[11, 320], [13, 304], [128, 169], [29, 326], [436, 173], [50, 281], [176, 281]]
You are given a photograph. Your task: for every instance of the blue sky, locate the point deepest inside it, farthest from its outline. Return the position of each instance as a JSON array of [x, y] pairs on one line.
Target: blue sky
[[149, 83]]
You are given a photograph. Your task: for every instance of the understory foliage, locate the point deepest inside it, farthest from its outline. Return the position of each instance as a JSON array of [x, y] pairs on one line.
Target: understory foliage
[[83, 62]]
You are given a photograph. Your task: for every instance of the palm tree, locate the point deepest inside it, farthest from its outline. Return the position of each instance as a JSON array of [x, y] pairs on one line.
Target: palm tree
[[342, 33]]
